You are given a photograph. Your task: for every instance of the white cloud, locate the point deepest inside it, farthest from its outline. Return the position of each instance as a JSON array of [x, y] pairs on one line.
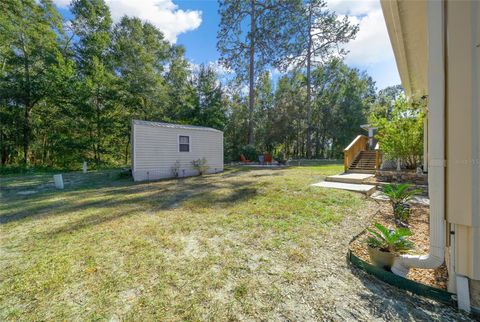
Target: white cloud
[[372, 44], [354, 7], [220, 69], [215, 65], [164, 14], [62, 3]]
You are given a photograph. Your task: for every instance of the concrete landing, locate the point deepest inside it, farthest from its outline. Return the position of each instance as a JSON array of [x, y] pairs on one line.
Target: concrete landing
[[349, 177], [363, 188], [416, 200]]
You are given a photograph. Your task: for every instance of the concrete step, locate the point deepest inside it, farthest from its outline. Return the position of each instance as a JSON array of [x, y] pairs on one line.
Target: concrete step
[[362, 188], [349, 177], [355, 170]]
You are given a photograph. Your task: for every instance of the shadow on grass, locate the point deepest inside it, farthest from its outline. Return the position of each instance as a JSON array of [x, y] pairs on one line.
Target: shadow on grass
[[152, 196]]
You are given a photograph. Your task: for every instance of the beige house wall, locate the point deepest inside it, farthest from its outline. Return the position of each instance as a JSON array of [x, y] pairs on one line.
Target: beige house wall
[[463, 120], [406, 23]]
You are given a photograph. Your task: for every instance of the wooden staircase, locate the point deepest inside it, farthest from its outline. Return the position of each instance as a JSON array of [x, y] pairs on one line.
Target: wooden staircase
[[365, 162], [359, 159]]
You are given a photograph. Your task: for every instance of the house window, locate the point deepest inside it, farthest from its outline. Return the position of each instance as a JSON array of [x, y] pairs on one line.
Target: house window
[[184, 143]]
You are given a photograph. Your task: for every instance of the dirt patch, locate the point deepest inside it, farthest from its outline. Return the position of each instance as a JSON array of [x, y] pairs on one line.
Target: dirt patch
[[419, 225]]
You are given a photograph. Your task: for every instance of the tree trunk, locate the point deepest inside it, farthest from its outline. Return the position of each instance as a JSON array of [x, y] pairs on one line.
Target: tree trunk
[[92, 141], [98, 128], [126, 150], [251, 76], [309, 85], [28, 107], [44, 149], [317, 144], [324, 144], [4, 152], [26, 134]]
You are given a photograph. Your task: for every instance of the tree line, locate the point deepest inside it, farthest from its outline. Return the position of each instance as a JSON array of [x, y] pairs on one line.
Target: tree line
[[69, 89]]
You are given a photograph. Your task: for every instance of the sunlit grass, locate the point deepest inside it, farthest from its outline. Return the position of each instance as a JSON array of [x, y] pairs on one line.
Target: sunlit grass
[[204, 248]]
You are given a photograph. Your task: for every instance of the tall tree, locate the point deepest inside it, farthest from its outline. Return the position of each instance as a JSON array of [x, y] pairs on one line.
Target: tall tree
[[320, 34], [248, 52], [181, 92], [340, 105], [287, 118], [140, 55], [31, 32], [92, 26], [263, 111], [209, 109], [386, 98]]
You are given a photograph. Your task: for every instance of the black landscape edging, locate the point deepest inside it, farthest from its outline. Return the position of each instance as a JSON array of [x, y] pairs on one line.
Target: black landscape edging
[[399, 281]]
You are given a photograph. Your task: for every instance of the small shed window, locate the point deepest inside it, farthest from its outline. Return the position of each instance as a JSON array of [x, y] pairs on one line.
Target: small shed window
[[184, 143]]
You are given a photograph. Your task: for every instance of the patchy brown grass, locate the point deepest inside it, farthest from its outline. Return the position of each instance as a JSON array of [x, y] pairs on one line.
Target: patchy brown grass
[[179, 249]]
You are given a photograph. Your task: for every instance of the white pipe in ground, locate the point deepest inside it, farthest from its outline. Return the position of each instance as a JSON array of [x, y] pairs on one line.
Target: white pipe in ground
[[58, 179]]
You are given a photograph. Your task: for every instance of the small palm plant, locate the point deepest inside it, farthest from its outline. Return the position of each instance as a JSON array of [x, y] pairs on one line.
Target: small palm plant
[[399, 195], [384, 244], [390, 240]]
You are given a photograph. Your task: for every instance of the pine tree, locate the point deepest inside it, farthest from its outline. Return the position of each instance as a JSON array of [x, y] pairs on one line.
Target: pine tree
[[209, 110], [248, 52], [319, 35]]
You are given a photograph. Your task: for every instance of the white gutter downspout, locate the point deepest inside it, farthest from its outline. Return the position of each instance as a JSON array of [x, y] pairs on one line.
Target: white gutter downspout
[[436, 146]]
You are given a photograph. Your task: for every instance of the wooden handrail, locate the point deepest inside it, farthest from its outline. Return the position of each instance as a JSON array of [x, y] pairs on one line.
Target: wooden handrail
[[358, 145], [378, 156]]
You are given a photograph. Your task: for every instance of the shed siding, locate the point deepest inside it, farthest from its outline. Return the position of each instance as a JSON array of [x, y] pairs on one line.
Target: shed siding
[[156, 151]]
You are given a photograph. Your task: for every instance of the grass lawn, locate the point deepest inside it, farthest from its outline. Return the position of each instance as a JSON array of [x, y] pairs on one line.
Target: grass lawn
[[239, 245]]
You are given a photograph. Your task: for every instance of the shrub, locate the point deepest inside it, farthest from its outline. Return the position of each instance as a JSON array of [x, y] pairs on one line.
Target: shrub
[[176, 169], [401, 134], [250, 152], [390, 240], [200, 165], [399, 195]]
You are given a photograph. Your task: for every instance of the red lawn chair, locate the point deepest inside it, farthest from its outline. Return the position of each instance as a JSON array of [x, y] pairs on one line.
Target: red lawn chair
[[267, 158], [243, 159]]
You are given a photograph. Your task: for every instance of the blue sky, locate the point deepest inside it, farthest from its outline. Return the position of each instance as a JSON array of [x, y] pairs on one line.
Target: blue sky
[[194, 23]]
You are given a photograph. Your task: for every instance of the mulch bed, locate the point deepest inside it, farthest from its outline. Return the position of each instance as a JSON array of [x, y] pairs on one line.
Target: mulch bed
[[419, 225]]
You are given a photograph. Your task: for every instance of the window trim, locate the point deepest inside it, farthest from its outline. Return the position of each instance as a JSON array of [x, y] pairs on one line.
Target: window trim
[[189, 143]]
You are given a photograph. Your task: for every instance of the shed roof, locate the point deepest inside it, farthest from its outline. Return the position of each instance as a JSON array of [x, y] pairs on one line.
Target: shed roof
[[175, 126]]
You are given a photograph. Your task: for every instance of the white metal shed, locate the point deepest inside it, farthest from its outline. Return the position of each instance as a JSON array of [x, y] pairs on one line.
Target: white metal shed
[[160, 150]]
